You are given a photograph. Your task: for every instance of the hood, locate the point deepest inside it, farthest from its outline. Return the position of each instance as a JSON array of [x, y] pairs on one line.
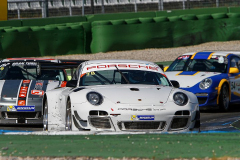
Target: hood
[[187, 79], [10, 90], [135, 94]]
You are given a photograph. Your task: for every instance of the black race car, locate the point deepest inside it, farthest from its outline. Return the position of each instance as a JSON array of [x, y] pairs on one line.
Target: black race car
[[23, 82]]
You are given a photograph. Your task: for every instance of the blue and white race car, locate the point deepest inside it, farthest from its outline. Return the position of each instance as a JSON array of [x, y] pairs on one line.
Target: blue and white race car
[[213, 76]]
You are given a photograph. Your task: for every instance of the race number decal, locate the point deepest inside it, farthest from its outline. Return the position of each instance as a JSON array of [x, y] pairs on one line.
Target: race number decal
[[37, 92]]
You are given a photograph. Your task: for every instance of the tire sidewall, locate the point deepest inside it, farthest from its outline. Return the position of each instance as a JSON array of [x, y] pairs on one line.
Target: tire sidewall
[[221, 100], [67, 116]]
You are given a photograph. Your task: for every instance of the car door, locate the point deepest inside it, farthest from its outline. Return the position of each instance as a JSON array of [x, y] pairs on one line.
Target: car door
[[234, 79]]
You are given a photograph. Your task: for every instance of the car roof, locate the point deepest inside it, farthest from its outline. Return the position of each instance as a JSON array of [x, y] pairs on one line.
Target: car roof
[[118, 61], [29, 60], [221, 53]]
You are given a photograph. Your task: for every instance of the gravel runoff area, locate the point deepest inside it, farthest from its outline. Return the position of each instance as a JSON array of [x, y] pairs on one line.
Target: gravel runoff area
[[155, 55]]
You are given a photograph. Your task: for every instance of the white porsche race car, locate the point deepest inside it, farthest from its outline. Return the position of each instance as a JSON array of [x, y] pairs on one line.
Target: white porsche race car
[[120, 95]]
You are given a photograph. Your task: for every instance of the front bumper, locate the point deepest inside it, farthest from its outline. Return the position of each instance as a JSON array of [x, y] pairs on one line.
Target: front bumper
[[154, 119], [22, 118], [205, 98]]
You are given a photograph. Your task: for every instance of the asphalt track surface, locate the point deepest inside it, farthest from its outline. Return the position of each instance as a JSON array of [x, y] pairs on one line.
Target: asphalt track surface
[[212, 120]]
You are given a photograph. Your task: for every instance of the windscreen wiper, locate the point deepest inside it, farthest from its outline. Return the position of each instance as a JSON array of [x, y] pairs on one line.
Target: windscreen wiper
[[122, 75]]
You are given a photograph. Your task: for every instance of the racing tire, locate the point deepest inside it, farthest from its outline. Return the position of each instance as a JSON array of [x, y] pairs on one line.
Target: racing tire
[[224, 98], [45, 116], [68, 121]]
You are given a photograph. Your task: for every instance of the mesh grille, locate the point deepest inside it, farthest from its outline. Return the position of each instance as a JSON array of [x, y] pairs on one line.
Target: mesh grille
[[202, 100], [21, 115], [142, 125], [178, 123], [99, 122]]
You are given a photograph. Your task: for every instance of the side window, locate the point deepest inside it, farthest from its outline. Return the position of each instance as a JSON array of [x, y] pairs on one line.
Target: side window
[[235, 62], [77, 72]]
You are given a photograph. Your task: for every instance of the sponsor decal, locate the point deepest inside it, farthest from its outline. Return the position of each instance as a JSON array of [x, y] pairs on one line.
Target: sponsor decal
[[187, 73], [141, 109], [24, 63], [37, 92], [25, 108], [24, 89], [125, 66], [184, 57], [142, 117], [20, 108], [26, 81], [63, 84], [38, 85], [22, 102], [11, 108], [22, 95]]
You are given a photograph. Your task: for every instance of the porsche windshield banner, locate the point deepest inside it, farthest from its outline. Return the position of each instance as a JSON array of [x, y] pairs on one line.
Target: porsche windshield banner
[[3, 10], [112, 66]]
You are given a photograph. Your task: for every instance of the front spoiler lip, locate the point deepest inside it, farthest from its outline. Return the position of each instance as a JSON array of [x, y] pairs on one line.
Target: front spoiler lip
[[14, 122]]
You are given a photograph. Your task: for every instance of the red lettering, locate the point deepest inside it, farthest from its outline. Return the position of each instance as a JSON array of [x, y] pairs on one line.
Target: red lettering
[[153, 68], [91, 67], [101, 66], [112, 65], [133, 66], [122, 65], [143, 67]]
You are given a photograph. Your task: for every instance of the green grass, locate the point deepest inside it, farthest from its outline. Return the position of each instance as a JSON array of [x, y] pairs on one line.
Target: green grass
[[155, 146]]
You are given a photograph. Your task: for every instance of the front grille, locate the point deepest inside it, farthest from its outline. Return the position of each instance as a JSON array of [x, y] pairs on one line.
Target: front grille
[[141, 125], [20, 115], [100, 122], [179, 123], [97, 113], [202, 100], [182, 113]]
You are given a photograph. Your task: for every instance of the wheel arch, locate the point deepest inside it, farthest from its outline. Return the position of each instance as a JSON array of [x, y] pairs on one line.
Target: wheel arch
[[221, 83]]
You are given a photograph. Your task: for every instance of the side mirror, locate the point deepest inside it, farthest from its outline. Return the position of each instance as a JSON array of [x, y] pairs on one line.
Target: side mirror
[[175, 84], [233, 70], [71, 83]]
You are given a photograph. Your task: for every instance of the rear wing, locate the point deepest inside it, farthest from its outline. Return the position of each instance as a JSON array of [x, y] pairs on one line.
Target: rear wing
[[62, 64], [46, 64], [69, 65]]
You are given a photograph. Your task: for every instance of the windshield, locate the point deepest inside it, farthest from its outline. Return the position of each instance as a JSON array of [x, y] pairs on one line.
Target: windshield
[[28, 70], [106, 77], [215, 64]]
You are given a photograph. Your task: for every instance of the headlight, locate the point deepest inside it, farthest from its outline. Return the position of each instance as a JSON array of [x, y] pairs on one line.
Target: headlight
[[180, 98], [206, 83], [94, 98]]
